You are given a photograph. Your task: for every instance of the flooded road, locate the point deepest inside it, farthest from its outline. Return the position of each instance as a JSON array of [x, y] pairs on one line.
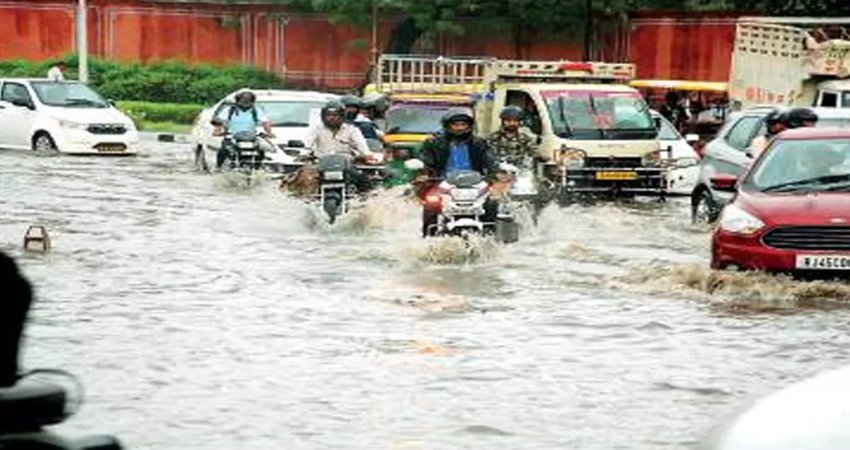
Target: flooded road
[[201, 315]]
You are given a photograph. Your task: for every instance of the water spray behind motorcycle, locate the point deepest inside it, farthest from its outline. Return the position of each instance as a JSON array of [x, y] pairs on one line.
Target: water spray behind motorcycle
[[36, 401]]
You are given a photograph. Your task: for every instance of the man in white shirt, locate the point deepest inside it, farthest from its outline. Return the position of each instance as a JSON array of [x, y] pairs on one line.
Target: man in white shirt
[[56, 73], [335, 136]]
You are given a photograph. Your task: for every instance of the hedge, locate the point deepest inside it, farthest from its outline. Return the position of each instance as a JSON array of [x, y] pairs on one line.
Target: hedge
[[165, 82], [160, 112]]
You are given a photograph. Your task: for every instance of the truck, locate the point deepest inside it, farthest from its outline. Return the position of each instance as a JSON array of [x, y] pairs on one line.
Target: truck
[[596, 134], [790, 62]]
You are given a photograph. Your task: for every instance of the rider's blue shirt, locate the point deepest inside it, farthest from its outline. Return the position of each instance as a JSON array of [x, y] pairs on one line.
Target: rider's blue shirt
[[458, 158]]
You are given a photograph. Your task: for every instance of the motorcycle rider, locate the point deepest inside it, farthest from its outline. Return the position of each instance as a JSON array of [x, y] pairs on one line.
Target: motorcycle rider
[[774, 125], [799, 118], [336, 136], [242, 117], [354, 115], [13, 313], [511, 144], [456, 149]]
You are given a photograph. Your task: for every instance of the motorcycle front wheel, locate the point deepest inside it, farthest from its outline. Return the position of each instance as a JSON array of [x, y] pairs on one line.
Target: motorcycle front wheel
[[331, 207]]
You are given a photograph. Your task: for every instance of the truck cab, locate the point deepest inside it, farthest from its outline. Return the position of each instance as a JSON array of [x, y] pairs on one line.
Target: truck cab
[[596, 134]]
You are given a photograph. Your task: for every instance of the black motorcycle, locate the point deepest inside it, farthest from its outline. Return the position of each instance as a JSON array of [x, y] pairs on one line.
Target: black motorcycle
[[27, 407]]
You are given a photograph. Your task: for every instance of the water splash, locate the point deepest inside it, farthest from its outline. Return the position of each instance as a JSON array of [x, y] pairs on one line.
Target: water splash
[[455, 250]]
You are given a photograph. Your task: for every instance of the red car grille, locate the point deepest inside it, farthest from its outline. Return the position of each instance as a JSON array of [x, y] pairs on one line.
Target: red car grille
[[809, 238]]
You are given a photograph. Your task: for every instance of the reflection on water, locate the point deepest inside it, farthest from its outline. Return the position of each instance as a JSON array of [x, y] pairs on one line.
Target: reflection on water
[[204, 314]]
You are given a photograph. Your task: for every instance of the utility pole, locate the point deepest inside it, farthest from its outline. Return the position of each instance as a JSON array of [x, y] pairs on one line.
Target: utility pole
[[373, 50], [588, 31], [82, 42]]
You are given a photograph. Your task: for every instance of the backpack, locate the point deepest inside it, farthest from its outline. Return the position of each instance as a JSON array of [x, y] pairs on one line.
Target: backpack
[[232, 112]]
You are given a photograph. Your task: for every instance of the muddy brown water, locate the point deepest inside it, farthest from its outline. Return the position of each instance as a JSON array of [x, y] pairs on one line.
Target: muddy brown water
[[203, 315]]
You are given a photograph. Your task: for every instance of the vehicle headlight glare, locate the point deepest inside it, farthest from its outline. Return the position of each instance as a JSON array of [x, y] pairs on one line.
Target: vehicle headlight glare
[[736, 220]]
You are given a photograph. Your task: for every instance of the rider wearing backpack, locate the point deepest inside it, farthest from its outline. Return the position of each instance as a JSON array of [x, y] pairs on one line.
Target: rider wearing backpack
[[244, 116]]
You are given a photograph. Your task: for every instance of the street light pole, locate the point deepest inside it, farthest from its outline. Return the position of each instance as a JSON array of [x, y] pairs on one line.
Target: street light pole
[[588, 31], [373, 50], [82, 41]]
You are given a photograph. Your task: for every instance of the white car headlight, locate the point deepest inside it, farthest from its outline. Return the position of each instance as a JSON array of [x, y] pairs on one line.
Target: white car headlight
[[736, 220], [71, 125]]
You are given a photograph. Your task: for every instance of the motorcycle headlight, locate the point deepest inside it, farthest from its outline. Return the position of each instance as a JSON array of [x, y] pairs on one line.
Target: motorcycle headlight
[[71, 125], [736, 220]]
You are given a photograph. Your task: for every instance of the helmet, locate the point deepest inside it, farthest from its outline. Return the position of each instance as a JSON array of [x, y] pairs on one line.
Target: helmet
[[375, 100], [333, 107], [797, 117], [353, 102], [457, 115], [246, 97], [773, 118], [511, 112]]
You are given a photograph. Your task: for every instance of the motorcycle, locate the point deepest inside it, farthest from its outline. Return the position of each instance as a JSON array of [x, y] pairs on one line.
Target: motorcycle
[[243, 152], [27, 407], [460, 203], [329, 181]]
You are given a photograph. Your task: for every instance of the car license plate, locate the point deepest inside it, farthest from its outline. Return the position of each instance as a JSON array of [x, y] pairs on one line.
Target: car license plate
[[334, 176], [824, 262], [616, 175], [111, 148]]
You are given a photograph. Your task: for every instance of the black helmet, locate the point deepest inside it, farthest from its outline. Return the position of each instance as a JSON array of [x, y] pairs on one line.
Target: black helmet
[[774, 117], [797, 117], [245, 97], [333, 107], [457, 115], [511, 112], [351, 100]]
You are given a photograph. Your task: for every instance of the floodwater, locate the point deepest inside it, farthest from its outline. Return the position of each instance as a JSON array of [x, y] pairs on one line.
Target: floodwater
[[203, 315]]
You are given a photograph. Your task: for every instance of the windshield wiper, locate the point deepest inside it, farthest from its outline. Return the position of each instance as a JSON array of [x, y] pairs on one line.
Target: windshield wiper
[[291, 124], [82, 101], [795, 185]]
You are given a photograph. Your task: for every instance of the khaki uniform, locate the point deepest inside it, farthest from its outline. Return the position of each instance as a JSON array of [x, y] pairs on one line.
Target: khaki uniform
[[514, 149]]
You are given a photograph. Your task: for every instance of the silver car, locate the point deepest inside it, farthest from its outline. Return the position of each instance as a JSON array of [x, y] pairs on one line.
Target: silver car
[[728, 154]]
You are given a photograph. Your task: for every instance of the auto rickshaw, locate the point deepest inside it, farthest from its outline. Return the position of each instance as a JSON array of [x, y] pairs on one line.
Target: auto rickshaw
[[707, 101]]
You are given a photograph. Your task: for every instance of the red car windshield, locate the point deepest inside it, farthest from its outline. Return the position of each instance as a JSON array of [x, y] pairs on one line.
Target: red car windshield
[[803, 165]]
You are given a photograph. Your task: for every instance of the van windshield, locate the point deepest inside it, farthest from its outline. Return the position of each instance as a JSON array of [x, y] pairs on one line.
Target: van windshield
[[68, 95], [599, 115]]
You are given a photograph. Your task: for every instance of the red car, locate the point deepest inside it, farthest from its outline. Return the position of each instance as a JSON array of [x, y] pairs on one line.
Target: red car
[[791, 210]]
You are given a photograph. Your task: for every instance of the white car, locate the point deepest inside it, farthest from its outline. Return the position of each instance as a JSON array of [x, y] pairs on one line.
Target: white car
[[684, 160], [64, 116], [292, 114]]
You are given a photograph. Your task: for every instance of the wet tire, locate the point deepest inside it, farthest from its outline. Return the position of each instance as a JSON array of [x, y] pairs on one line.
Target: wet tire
[[331, 207], [43, 143], [704, 210]]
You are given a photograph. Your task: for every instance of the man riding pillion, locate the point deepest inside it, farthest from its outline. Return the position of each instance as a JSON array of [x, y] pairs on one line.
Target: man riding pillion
[[456, 149], [244, 116], [336, 136], [510, 143]]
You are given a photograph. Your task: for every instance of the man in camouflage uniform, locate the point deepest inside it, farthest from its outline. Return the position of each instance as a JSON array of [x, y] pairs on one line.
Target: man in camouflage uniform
[[511, 144]]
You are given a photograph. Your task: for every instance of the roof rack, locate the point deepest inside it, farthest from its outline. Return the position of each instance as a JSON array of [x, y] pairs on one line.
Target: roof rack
[[428, 73]]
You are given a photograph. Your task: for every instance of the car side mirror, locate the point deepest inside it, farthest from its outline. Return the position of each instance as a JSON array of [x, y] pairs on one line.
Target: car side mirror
[[657, 121], [111, 102], [23, 103], [691, 138], [295, 144], [724, 182]]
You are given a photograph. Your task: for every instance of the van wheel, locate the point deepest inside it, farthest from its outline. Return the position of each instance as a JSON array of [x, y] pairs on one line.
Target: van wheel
[[43, 143], [704, 211]]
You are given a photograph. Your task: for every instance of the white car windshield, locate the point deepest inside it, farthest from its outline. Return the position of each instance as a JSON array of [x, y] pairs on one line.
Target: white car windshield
[[68, 95], [599, 115], [804, 165], [290, 113]]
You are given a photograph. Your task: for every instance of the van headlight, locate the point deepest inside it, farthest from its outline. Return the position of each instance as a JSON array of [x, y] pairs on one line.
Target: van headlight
[[571, 158], [736, 220], [651, 159]]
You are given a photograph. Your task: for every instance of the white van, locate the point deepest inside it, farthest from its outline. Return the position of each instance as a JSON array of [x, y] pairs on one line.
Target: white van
[[64, 116]]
